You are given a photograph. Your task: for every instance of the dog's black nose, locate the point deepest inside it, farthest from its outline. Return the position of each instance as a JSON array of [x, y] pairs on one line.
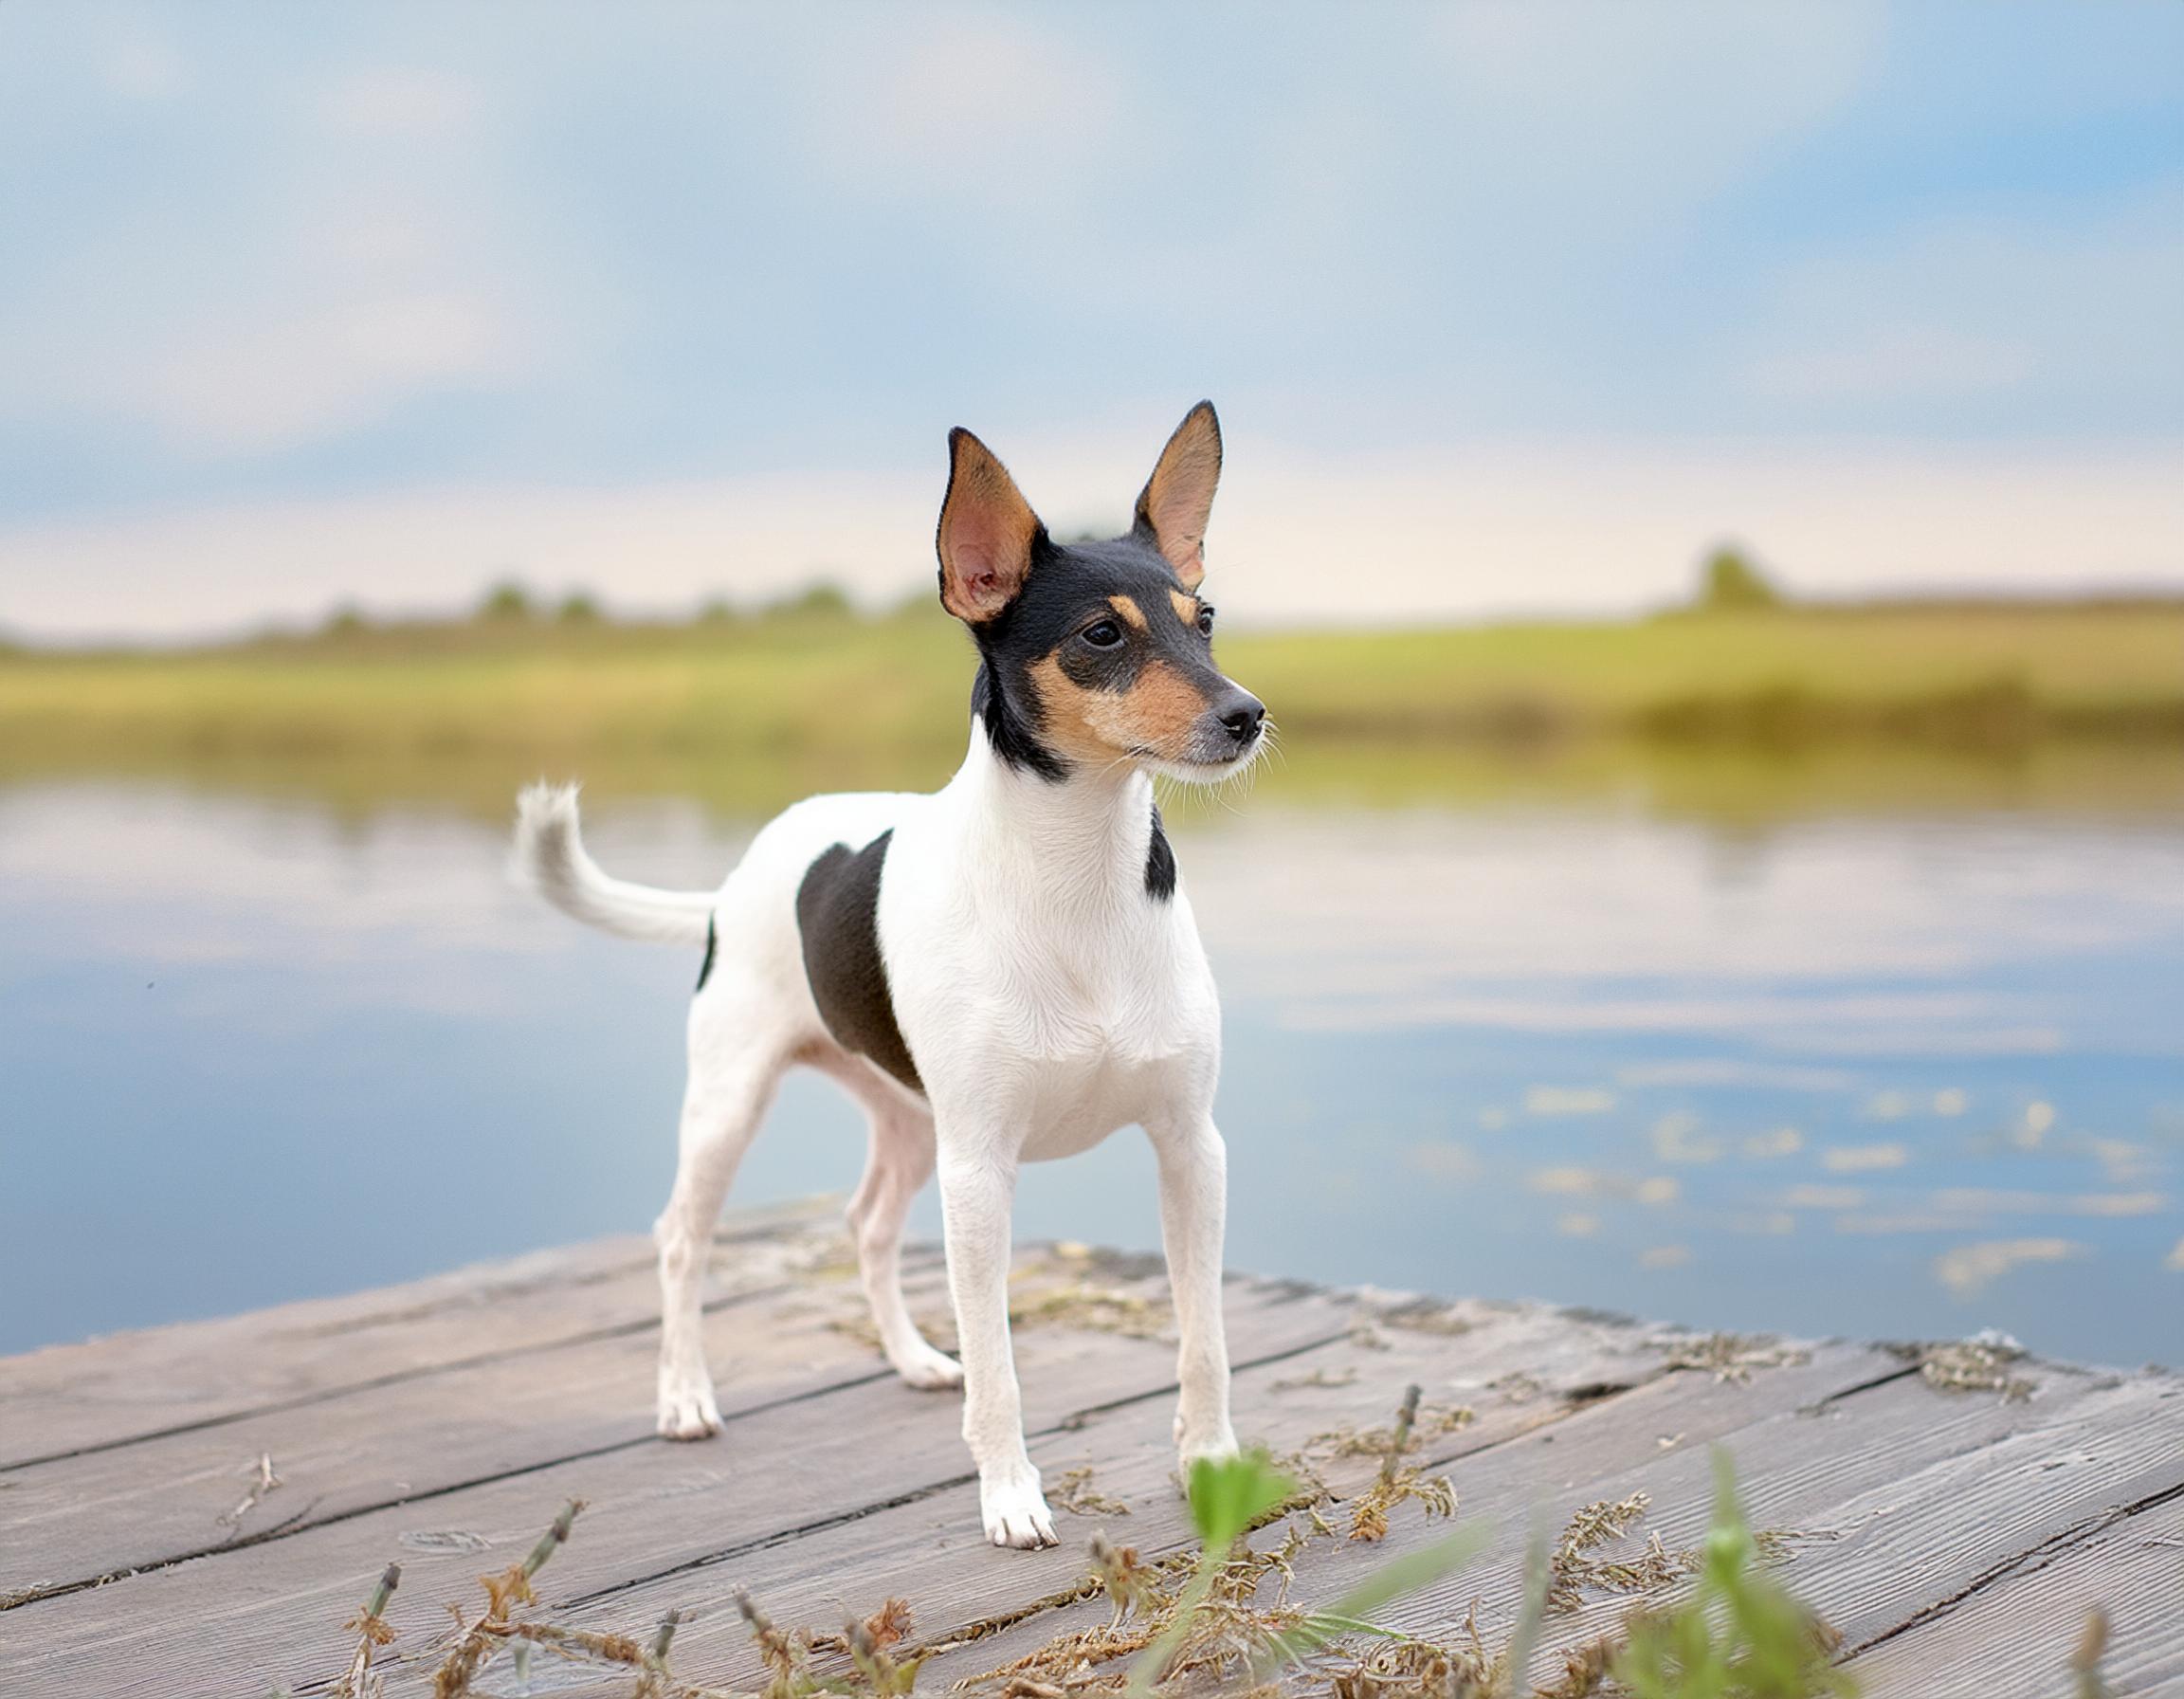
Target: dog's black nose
[[1242, 714]]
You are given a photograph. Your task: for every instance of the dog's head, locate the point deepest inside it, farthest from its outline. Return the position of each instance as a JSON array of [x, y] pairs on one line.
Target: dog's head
[[1096, 654]]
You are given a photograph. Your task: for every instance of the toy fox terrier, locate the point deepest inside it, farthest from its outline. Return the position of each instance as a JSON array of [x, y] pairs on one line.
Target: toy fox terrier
[[1005, 971]]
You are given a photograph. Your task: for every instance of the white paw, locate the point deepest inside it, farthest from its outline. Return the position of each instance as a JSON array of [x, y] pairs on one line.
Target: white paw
[[926, 1369], [687, 1410], [1016, 1514], [1190, 1447]]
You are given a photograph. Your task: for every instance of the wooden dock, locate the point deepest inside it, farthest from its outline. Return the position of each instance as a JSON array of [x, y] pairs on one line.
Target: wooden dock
[[1956, 1538]]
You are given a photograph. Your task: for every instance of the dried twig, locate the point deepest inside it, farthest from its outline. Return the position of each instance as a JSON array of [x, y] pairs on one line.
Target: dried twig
[[1394, 1483], [370, 1627], [1075, 1492], [503, 1592], [262, 1481]]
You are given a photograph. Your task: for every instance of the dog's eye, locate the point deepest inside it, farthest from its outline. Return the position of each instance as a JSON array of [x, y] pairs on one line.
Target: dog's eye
[[1206, 621], [1107, 634]]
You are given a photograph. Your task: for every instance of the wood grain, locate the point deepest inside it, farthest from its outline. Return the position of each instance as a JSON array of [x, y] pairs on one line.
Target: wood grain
[[1956, 1539]]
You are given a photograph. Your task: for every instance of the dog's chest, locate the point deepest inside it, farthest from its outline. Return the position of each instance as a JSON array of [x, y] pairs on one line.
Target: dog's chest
[[1085, 1011]]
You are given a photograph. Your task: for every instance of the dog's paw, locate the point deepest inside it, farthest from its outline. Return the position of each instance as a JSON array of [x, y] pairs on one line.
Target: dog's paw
[[688, 1412], [929, 1370], [1016, 1513], [1190, 1447]]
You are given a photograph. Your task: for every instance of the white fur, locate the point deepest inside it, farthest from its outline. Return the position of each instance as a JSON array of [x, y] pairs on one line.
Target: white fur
[[1047, 998]]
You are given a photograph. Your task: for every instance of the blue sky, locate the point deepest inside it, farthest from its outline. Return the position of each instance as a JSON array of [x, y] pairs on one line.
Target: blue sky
[[1512, 305]]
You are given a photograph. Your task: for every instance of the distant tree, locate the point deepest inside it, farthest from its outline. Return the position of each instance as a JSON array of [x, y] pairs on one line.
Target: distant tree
[[507, 601], [916, 604], [346, 621], [718, 611], [578, 608], [821, 601], [1730, 583]]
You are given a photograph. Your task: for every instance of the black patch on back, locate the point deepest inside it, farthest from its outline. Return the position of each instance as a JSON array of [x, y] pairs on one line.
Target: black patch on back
[[1159, 862], [713, 942], [838, 915]]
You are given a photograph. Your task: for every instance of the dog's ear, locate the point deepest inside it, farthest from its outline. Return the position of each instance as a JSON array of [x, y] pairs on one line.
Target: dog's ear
[[987, 532], [1178, 497]]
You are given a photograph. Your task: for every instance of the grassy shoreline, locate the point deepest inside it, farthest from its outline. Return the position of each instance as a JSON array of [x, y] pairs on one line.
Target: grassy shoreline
[[769, 705]]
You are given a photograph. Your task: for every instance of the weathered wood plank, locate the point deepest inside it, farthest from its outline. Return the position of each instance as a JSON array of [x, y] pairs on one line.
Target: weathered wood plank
[[440, 1424], [1928, 1523], [1542, 1471], [2018, 1633], [128, 1386], [1513, 1365], [271, 1613], [1822, 1473], [1907, 1496], [79, 1519]]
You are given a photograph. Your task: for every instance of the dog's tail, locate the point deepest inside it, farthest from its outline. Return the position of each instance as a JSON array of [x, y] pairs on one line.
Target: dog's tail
[[550, 855]]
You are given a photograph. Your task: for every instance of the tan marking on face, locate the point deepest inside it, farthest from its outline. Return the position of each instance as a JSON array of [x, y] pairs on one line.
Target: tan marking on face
[[1155, 716], [1065, 714], [1185, 606], [1127, 607]]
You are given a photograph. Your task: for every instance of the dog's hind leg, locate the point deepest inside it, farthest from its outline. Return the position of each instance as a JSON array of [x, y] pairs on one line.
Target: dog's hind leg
[[898, 1165], [734, 1068]]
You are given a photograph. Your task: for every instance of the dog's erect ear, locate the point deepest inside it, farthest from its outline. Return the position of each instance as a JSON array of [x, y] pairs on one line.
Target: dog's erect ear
[[987, 532], [1178, 496]]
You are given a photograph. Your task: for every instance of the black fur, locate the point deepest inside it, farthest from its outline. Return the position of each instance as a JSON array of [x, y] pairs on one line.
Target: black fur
[[1067, 590], [1011, 737], [1159, 862], [713, 942], [838, 916]]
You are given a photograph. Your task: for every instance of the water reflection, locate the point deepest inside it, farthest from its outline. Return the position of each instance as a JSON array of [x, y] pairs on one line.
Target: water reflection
[[1875, 1073]]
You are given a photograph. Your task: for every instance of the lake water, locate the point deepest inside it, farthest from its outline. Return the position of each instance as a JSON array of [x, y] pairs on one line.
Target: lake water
[[1876, 1075]]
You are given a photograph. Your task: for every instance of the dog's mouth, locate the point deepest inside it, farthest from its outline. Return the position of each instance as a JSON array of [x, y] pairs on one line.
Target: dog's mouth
[[1203, 770]]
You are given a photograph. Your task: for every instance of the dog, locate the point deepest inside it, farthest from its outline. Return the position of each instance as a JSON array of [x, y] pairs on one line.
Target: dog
[[1004, 971]]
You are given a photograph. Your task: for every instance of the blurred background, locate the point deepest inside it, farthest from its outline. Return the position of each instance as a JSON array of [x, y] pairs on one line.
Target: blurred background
[[1704, 507]]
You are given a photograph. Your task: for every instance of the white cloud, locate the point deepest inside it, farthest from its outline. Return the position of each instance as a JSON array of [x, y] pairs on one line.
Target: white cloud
[[1970, 1270], [143, 67], [1894, 364], [1823, 1197], [249, 388], [1970, 311], [1862, 1159], [1568, 1100], [365, 255], [409, 102], [1769, 1146], [1621, 119], [978, 112], [1724, 1070]]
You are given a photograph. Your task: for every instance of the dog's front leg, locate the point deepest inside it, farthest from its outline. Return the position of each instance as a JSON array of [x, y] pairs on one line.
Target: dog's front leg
[[977, 1189], [1193, 1212]]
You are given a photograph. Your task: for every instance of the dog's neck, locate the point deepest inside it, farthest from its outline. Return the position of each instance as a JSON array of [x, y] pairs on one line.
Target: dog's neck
[[1086, 834]]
